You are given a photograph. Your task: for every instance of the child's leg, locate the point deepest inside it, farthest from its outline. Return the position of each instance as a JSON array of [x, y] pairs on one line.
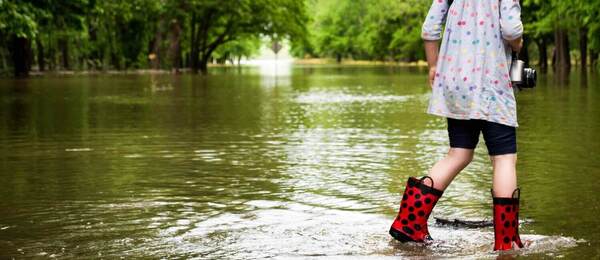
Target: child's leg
[[463, 135], [419, 197], [444, 171], [506, 198], [501, 141], [505, 175]]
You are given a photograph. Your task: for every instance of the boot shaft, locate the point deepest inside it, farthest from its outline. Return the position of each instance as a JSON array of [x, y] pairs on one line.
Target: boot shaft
[[417, 203], [506, 222]]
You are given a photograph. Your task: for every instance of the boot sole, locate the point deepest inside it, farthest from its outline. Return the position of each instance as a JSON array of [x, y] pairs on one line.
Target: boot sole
[[400, 236]]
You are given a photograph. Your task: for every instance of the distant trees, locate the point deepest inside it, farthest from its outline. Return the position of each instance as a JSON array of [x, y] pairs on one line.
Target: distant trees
[[216, 22], [571, 27], [159, 34], [365, 29], [562, 31], [18, 25], [173, 34]]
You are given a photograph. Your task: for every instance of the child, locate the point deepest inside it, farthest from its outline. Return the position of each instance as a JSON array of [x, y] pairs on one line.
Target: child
[[471, 87]]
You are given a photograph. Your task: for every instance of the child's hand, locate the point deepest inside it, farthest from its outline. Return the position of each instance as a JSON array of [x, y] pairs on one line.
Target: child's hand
[[431, 76], [517, 44]]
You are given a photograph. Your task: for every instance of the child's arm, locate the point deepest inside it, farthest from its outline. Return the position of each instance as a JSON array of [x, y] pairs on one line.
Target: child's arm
[[510, 23], [432, 51], [431, 32], [516, 44], [436, 17]]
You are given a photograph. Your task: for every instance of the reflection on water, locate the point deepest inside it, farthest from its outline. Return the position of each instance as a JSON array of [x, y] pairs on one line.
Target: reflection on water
[[243, 164]]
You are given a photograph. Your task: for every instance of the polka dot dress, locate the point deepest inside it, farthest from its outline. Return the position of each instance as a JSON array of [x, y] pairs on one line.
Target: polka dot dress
[[472, 77]]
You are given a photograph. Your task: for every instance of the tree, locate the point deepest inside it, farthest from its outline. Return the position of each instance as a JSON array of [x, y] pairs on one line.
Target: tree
[[404, 22], [366, 29], [18, 25], [214, 23], [338, 27], [538, 29], [234, 51], [585, 13], [62, 22]]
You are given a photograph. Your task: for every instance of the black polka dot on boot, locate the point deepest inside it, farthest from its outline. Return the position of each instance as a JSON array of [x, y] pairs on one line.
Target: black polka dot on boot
[[417, 227], [418, 204], [408, 230]]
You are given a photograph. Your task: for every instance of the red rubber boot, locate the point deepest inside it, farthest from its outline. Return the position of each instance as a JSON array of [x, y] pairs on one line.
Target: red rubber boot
[[417, 202], [506, 222]]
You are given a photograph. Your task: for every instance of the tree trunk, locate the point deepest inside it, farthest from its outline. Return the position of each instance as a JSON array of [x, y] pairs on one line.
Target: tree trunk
[[203, 66], [155, 53], [338, 58], [194, 44], [40, 54], [175, 46], [186, 60], [20, 51], [63, 44], [593, 59], [2, 60], [583, 46], [563, 58], [524, 54], [114, 60], [543, 50], [51, 58], [95, 54], [203, 62]]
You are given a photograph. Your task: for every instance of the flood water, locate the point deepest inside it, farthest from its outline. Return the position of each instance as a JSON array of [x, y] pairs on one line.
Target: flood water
[[242, 164]]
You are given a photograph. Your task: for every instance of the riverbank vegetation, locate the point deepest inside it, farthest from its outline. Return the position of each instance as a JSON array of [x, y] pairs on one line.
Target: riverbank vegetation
[[560, 33], [138, 34], [176, 34]]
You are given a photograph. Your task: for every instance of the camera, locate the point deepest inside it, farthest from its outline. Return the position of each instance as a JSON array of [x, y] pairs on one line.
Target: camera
[[522, 77]]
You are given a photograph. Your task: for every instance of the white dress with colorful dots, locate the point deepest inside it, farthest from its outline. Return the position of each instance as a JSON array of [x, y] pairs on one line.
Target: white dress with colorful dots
[[472, 77]]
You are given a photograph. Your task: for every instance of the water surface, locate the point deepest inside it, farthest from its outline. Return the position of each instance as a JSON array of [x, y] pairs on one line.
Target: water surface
[[244, 164]]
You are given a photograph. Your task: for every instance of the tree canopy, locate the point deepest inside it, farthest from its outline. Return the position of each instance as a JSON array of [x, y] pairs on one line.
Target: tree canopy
[[165, 34], [175, 34], [366, 29], [390, 30]]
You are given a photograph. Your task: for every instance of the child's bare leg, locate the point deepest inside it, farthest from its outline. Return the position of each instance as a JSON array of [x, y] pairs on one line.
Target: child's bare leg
[[505, 175], [444, 171]]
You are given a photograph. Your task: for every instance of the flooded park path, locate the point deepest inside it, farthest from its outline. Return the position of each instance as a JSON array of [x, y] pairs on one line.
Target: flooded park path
[[243, 164]]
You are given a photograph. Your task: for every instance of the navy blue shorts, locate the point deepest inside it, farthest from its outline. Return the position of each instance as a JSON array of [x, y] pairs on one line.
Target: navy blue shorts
[[499, 139]]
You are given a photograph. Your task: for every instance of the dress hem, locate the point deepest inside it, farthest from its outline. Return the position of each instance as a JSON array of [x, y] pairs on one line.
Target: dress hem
[[453, 116]]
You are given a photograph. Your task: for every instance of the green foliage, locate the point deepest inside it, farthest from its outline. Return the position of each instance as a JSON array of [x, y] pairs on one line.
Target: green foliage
[[123, 30], [141, 33], [339, 27], [116, 34], [240, 48], [20, 18], [367, 29], [214, 23], [543, 18], [391, 29]]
